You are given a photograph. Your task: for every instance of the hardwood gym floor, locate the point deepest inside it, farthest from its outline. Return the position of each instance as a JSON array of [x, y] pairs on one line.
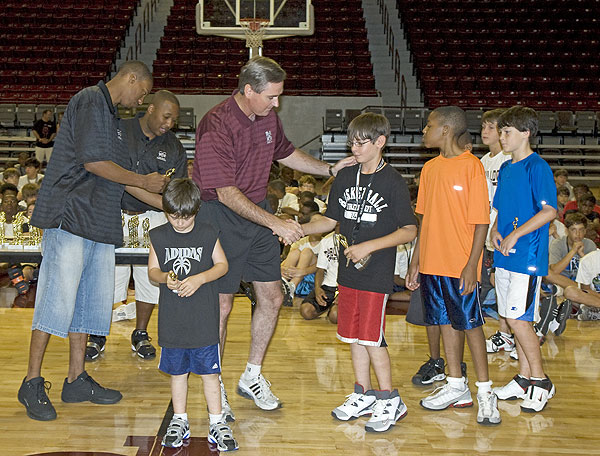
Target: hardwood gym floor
[[311, 372]]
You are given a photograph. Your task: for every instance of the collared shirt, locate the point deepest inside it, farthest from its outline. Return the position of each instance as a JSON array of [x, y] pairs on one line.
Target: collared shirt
[[72, 198], [233, 150], [148, 156]]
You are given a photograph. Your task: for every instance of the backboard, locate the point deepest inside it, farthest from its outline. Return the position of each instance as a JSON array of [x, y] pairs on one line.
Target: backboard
[[286, 17]]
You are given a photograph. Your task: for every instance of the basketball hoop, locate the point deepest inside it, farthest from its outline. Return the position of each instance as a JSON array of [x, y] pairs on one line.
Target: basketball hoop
[[254, 29]]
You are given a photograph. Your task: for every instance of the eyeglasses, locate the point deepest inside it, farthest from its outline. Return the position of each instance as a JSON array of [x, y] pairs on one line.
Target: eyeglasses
[[358, 143]]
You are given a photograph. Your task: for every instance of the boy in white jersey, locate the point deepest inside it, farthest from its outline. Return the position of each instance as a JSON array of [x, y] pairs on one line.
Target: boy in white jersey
[[503, 339]]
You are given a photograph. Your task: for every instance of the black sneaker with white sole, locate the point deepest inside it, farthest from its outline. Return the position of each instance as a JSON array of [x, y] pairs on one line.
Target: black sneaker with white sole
[[140, 344], [431, 371], [95, 346]]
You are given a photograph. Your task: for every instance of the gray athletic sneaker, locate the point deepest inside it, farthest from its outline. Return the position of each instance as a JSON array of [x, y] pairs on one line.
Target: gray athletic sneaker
[[225, 407], [388, 410], [32, 395], [85, 388], [177, 432], [446, 396], [221, 435]]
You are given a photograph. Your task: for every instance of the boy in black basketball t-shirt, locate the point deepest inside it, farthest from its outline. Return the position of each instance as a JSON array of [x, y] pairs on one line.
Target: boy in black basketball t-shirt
[[372, 204], [186, 259]]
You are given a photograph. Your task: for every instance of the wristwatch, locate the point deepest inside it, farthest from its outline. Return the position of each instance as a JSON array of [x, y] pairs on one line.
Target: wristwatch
[[331, 170]]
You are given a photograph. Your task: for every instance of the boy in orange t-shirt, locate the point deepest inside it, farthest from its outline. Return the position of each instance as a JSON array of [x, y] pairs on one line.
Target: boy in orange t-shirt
[[453, 199]]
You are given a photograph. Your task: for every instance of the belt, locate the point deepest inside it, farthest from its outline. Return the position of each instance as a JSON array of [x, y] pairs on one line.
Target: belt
[[133, 212]]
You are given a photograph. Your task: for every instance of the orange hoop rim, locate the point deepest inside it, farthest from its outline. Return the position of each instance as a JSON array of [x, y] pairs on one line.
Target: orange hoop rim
[[254, 24]]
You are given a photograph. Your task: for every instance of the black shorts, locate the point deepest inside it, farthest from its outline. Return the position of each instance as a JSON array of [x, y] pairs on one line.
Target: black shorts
[[330, 293], [252, 250]]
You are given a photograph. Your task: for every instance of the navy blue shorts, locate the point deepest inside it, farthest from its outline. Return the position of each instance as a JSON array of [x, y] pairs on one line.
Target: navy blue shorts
[[199, 361], [444, 304]]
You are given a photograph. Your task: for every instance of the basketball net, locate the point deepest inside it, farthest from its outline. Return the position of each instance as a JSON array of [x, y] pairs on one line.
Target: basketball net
[[254, 29]]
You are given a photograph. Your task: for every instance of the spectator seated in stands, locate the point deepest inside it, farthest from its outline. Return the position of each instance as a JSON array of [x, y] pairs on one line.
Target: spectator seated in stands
[[11, 176], [277, 188], [403, 255], [291, 203], [300, 265], [563, 196], [28, 194], [32, 173], [586, 292], [9, 206], [579, 190], [20, 166], [323, 297], [586, 204], [286, 174], [561, 178], [564, 259]]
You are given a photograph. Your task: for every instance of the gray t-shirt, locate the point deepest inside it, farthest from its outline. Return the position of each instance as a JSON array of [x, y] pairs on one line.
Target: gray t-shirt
[[559, 249]]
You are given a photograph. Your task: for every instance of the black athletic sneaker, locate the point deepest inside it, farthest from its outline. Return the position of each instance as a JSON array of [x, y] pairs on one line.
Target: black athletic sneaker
[[33, 395], [548, 313], [431, 371], [95, 346], [85, 388], [564, 311], [140, 343]]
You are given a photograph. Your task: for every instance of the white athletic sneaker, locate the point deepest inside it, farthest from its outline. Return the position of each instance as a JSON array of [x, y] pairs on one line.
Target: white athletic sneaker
[[515, 389], [225, 407], [446, 396], [514, 355], [221, 435], [288, 289], [488, 413], [357, 404], [259, 390], [388, 409], [500, 342], [538, 394]]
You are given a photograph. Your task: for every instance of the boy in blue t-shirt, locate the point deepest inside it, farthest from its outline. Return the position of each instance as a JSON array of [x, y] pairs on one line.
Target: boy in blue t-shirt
[[526, 203]]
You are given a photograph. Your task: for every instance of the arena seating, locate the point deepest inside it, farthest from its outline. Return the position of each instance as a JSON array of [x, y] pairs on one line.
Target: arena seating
[[538, 53], [335, 61], [48, 54]]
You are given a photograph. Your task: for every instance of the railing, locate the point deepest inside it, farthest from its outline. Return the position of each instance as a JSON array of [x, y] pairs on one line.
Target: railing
[[390, 41], [141, 29]]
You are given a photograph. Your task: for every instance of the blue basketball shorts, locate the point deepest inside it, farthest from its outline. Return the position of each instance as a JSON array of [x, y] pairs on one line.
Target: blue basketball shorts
[[444, 304], [199, 361]]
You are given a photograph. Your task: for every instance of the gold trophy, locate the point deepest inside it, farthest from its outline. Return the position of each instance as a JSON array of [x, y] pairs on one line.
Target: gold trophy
[[35, 235], [133, 224], [146, 234], [360, 264], [2, 222], [18, 221]]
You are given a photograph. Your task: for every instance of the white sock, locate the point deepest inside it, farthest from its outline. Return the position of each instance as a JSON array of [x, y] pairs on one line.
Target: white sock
[[214, 419], [252, 370], [181, 416], [457, 383], [484, 387]]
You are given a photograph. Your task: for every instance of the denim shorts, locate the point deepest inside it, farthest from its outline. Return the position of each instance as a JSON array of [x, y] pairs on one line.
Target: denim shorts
[[75, 286]]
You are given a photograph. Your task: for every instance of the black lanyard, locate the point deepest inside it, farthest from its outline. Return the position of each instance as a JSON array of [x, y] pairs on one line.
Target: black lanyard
[[363, 201]]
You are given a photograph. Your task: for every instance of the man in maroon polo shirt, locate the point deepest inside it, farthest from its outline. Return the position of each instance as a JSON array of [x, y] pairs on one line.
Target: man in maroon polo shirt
[[236, 142]]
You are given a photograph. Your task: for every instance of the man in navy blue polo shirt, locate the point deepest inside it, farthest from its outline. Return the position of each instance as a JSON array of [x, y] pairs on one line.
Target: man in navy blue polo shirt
[[79, 208]]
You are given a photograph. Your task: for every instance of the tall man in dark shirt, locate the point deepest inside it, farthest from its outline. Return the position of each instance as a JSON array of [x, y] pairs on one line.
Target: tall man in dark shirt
[[44, 130], [79, 208], [236, 142], [153, 147]]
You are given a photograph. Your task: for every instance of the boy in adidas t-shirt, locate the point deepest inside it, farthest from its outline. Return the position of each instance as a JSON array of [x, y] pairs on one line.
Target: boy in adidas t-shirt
[[526, 203], [372, 205], [186, 259]]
